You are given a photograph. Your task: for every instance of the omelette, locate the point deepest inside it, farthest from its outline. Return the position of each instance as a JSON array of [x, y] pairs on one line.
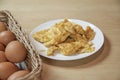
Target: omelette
[[66, 37]]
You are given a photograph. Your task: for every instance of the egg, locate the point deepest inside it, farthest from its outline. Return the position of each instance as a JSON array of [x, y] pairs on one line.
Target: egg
[[15, 51], [2, 57], [2, 47], [2, 27], [6, 37], [18, 74], [6, 69]]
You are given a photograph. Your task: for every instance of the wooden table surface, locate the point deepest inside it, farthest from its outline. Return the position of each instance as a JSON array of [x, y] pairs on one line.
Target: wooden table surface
[[105, 64]]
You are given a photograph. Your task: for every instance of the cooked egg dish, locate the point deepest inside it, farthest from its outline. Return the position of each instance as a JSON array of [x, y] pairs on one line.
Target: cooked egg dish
[[66, 37]]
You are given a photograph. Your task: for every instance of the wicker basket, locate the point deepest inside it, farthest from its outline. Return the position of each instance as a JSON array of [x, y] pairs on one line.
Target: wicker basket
[[33, 60]]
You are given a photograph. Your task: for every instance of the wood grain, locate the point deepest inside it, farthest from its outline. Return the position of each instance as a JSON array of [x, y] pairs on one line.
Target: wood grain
[[105, 14]]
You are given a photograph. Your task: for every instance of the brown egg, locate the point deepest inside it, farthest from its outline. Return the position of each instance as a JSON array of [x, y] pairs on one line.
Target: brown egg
[[2, 47], [18, 74], [6, 37], [15, 51], [6, 69], [2, 57], [2, 27]]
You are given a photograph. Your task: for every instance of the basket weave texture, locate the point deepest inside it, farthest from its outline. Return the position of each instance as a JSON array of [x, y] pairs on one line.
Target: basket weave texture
[[33, 60]]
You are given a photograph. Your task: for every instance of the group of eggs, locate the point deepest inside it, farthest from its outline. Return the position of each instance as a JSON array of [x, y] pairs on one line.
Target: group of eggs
[[11, 52]]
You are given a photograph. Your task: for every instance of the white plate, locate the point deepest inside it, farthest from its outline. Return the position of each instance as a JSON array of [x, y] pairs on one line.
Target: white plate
[[97, 41]]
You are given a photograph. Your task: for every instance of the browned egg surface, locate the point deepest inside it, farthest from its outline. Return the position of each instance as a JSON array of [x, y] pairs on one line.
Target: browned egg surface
[[15, 51], [6, 69], [6, 37], [18, 74]]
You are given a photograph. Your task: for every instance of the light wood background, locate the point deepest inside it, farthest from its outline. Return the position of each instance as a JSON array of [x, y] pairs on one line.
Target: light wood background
[[105, 64]]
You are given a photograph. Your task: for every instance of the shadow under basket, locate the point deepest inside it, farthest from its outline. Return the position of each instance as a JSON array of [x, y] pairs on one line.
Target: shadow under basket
[[33, 60]]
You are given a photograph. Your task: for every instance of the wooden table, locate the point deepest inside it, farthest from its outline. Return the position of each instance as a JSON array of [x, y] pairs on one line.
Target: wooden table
[[105, 64]]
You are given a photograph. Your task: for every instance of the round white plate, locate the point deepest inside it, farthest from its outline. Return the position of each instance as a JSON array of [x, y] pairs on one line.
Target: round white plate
[[42, 50]]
